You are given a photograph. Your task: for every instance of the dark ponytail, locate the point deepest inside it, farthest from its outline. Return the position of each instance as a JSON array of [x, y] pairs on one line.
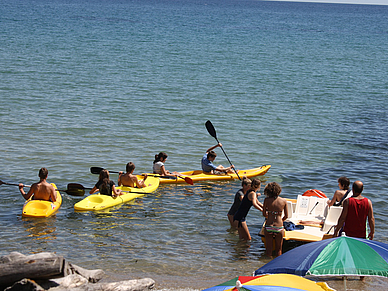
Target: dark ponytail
[[160, 156]]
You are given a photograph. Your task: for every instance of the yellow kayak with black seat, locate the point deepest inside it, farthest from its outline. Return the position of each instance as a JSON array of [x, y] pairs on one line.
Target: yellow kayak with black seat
[[99, 201], [42, 208]]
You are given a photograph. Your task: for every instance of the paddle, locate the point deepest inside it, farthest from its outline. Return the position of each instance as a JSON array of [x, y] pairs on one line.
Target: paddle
[[188, 180], [74, 192], [97, 170], [79, 190], [212, 131]]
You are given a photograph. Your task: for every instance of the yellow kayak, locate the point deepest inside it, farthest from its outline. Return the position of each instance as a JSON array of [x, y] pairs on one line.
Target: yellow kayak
[[100, 202], [41, 208], [199, 175]]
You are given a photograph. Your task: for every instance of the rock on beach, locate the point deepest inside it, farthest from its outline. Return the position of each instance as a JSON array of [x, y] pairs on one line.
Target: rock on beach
[[49, 271]]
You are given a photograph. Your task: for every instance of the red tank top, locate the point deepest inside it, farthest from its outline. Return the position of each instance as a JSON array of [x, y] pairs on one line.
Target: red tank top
[[355, 223]]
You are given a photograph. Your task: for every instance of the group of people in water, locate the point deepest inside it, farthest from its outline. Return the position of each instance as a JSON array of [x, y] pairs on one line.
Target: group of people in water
[[272, 209], [357, 210], [45, 191]]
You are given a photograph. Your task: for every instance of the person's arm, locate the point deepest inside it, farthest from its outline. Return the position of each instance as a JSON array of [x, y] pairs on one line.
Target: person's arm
[[332, 201], [94, 190], [119, 182], [285, 209], [30, 192], [140, 183], [117, 192], [265, 213], [163, 171], [252, 196], [342, 218], [371, 221], [53, 194], [213, 147]]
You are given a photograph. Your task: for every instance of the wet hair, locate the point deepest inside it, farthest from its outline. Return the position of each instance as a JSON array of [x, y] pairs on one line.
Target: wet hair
[[357, 187], [345, 182], [130, 167], [255, 183], [246, 181], [211, 154], [160, 156], [43, 173], [272, 189], [104, 177]]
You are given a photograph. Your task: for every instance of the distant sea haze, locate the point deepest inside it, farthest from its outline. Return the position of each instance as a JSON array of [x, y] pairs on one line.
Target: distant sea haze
[[300, 86]]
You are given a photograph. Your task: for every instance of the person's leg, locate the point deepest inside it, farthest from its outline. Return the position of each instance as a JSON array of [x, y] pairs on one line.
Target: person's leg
[[268, 243], [230, 217], [243, 231], [279, 243]]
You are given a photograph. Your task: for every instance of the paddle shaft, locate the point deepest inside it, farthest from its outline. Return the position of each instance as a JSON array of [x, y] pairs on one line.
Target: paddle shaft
[[212, 131], [97, 170], [29, 186], [76, 186]]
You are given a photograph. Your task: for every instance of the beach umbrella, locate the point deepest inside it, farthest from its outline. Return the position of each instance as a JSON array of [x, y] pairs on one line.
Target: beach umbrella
[[276, 282], [341, 256]]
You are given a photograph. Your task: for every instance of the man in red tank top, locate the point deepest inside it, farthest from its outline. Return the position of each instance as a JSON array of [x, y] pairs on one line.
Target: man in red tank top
[[355, 211]]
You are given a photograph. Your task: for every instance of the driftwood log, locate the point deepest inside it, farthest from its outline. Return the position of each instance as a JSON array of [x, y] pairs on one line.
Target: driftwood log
[[48, 271]]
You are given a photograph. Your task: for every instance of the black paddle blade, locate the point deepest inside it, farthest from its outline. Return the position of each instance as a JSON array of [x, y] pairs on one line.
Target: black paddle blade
[[210, 128], [76, 192], [96, 170]]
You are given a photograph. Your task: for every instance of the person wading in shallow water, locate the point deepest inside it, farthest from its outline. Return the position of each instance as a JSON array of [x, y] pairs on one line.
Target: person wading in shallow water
[[273, 208], [41, 190], [356, 210], [238, 197], [250, 198]]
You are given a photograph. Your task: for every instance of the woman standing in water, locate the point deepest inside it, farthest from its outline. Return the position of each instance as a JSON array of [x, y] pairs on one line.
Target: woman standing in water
[[250, 198], [238, 197], [272, 210]]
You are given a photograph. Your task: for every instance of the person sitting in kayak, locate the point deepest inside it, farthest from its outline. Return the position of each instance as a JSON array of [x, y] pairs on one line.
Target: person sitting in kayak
[[41, 190], [130, 180], [273, 208], [207, 162], [159, 168], [343, 184], [106, 186]]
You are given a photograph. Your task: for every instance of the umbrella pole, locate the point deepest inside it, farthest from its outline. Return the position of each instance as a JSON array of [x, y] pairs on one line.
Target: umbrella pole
[[344, 278]]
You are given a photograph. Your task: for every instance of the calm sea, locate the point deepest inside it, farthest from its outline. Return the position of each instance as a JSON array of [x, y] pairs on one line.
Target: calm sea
[[300, 86]]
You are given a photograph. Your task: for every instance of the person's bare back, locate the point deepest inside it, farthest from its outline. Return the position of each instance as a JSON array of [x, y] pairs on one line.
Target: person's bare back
[[41, 190], [44, 191], [128, 180]]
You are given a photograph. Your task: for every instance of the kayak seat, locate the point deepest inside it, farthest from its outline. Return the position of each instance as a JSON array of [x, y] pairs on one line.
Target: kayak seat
[[332, 218]]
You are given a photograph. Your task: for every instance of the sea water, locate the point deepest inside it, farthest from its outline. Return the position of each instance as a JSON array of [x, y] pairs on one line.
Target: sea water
[[300, 86]]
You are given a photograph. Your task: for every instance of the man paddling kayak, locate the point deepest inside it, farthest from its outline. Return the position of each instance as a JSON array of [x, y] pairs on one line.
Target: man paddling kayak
[[41, 190], [207, 162]]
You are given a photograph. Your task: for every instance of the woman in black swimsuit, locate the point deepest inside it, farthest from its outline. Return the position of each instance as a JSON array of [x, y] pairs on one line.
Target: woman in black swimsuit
[[250, 198]]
